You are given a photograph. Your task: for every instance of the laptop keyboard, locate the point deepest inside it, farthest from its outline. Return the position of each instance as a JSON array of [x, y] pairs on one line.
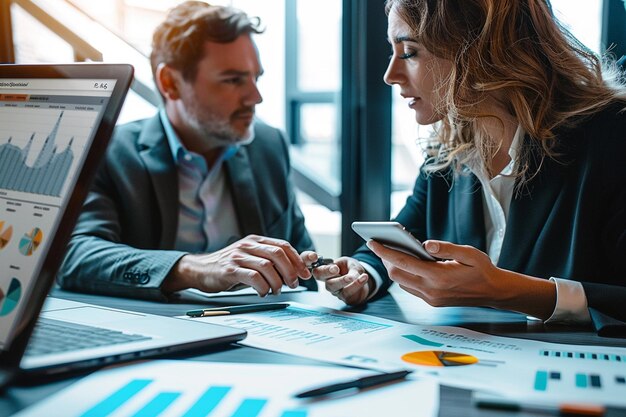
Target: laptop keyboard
[[54, 336]]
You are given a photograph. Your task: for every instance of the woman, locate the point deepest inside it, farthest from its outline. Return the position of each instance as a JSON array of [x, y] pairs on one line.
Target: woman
[[525, 198]]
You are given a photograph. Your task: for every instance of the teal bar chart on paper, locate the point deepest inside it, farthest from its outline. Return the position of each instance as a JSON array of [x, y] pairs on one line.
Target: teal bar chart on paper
[[206, 389], [117, 398], [204, 406], [546, 381]]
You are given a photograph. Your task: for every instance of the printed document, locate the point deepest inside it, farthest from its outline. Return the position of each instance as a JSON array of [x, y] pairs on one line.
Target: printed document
[[452, 355], [188, 388]]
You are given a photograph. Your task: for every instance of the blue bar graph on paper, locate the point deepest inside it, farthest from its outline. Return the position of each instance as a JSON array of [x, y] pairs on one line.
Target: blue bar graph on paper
[[207, 402], [157, 405], [117, 399], [541, 381], [594, 380], [294, 413], [250, 407], [583, 355]]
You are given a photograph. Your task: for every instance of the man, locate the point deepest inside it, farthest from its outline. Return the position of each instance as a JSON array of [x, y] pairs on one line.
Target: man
[[177, 193]]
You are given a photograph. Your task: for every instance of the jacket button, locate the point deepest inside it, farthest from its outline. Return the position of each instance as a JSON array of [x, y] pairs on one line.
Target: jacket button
[[145, 278]]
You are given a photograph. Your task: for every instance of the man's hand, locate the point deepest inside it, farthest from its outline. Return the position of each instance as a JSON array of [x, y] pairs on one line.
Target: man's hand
[[261, 262], [346, 279]]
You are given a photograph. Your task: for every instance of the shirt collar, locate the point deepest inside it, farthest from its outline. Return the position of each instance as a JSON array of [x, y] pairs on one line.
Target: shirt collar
[[176, 146], [478, 169], [179, 152], [514, 150]]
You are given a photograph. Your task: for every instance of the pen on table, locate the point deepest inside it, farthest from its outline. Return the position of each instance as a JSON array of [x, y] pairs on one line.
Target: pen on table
[[247, 308], [321, 261], [565, 409], [360, 383]]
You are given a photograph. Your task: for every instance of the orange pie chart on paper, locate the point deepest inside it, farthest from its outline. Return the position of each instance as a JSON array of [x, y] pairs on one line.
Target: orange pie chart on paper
[[439, 358], [5, 234], [30, 241]]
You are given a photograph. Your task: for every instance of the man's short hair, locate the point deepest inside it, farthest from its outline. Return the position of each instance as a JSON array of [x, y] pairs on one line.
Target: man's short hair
[[178, 40]]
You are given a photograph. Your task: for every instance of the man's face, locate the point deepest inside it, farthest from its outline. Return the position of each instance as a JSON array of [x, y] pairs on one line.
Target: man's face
[[219, 104]]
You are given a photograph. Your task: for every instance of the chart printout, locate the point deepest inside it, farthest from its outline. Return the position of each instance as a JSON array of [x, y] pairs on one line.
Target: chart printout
[[194, 389], [452, 355]]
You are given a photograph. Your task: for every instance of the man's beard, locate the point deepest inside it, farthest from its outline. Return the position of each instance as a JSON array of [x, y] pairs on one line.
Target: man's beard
[[217, 132]]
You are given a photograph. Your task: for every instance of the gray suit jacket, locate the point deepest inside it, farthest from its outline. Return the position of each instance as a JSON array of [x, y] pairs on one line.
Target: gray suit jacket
[[123, 243]]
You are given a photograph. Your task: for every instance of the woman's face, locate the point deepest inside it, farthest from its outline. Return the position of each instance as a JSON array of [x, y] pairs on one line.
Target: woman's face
[[417, 72]]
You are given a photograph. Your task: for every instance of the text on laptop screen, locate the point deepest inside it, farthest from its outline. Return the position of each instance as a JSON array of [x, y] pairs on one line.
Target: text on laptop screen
[[45, 127]]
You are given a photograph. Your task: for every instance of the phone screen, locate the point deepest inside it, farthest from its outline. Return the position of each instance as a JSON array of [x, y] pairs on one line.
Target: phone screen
[[392, 235]]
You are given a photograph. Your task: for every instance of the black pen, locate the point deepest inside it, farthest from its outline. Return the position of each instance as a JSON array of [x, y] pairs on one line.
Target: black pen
[[360, 383], [248, 308], [321, 261]]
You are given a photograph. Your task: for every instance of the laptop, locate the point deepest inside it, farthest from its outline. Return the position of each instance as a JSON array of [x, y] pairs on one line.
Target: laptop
[[55, 124]]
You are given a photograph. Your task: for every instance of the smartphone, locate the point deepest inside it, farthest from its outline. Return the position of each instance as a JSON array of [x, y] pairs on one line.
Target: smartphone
[[394, 236]]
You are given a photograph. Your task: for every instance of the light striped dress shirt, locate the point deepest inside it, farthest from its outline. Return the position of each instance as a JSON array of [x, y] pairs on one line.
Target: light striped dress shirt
[[207, 219]]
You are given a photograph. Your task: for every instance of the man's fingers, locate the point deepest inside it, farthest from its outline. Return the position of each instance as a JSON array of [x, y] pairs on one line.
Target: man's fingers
[[294, 259], [309, 257], [334, 285], [325, 272], [276, 256], [351, 291], [266, 270], [253, 279]]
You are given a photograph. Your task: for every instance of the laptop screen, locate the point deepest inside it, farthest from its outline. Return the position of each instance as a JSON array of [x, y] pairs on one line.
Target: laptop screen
[[47, 126]]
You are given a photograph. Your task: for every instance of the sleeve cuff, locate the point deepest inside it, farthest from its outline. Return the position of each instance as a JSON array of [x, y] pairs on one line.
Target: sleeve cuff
[[571, 303], [371, 271]]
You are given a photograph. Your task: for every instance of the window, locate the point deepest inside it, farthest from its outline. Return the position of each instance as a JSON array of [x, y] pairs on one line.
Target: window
[[583, 18], [313, 84]]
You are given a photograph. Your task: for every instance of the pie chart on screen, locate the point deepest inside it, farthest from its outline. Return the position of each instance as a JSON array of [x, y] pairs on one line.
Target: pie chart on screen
[[439, 358], [30, 241], [6, 232], [9, 301]]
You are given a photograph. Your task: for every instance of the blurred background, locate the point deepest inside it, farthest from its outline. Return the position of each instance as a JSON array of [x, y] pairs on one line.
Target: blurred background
[[355, 150]]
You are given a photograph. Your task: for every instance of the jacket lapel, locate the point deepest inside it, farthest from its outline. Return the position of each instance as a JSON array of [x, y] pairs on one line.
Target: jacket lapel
[[468, 202], [530, 211], [244, 193], [157, 157]]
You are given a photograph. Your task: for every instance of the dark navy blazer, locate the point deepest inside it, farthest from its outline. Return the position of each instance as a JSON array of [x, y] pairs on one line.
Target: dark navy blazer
[[569, 222]]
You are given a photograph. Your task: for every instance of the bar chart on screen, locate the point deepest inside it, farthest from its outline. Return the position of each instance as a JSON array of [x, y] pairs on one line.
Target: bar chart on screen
[[38, 154], [194, 389]]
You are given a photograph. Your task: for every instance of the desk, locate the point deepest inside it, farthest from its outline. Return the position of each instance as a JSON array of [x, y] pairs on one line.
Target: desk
[[398, 305]]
